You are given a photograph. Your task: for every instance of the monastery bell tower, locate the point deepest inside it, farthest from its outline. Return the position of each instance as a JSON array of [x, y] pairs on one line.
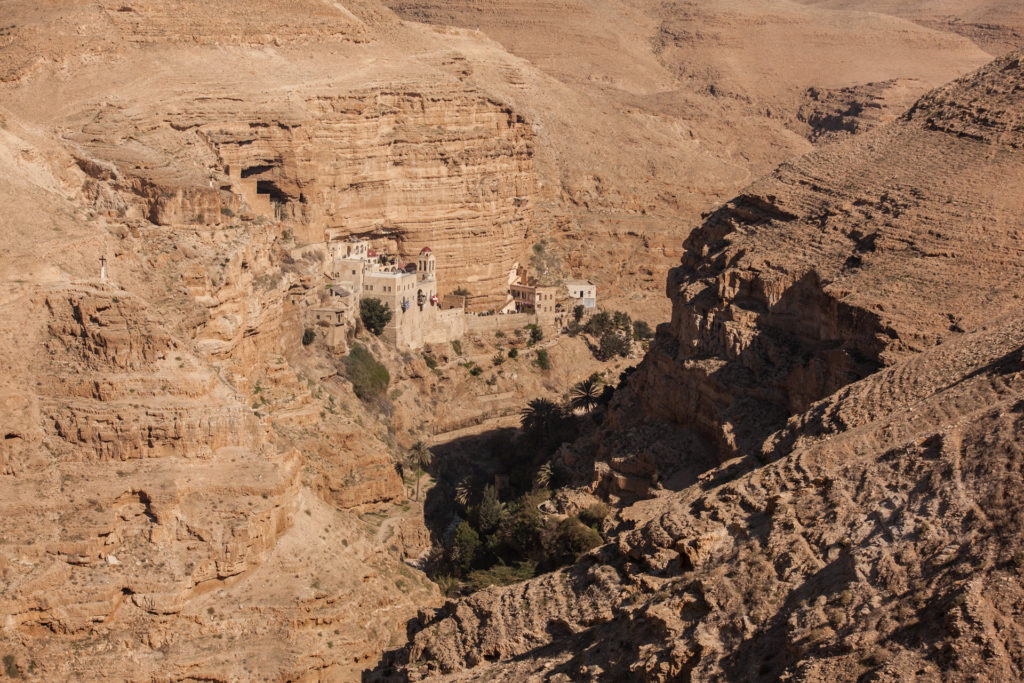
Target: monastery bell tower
[[425, 265]]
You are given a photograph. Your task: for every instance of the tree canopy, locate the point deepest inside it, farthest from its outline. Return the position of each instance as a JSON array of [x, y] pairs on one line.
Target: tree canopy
[[375, 314]]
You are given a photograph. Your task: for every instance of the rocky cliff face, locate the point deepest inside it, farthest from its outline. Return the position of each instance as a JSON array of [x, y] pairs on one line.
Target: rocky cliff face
[[441, 166], [842, 263], [883, 542], [827, 340], [148, 507], [716, 94], [446, 168]]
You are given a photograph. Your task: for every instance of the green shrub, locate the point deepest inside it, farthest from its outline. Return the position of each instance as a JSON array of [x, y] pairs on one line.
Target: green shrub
[[599, 324], [369, 378], [461, 291], [491, 510], [475, 370], [457, 347], [11, 668], [577, 313], [465, 546], [308, 336], [448, 584], [430, 361], [641, 330], [521, 532], [593, 515], [543, 361], [572, 538], [375, 314], [536, 334], [513, 353], [612, 344], [498, 359]]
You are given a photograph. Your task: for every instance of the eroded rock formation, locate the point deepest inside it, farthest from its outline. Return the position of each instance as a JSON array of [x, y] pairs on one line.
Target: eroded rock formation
[[847, 334]]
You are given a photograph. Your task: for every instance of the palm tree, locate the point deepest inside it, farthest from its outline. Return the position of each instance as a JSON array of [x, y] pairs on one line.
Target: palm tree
[[464, 492], [421, 457], [540, 416], [586, 395], [543, 476]]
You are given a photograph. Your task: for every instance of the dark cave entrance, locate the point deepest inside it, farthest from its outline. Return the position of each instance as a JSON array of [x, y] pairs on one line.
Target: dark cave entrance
[[256, 170], [269, 187]]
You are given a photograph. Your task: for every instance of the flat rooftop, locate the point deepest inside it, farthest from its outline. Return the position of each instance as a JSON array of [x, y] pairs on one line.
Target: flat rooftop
[[391, 275]]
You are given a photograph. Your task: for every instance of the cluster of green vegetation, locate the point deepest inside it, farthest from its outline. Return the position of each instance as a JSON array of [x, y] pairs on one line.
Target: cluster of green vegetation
[[501, 543], [504, 536], [375, 314], [615, 332], [368, 376]]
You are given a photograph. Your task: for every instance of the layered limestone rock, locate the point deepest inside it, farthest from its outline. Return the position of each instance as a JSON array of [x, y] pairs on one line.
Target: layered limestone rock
[[147, 508], [845, 261], [445, 167], [863, 294], [882, 542]]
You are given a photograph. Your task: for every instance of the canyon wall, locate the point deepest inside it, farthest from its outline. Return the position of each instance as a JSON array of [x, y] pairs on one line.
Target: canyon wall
[[442, 166], [846, 261], [847, 339], [883, 542]]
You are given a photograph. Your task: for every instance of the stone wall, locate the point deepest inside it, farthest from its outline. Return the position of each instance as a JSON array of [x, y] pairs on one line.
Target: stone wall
[[429, 326], [500, 323]]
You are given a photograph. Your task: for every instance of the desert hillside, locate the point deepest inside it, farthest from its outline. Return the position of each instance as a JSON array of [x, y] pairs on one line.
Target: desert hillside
[[716, 94], [846, 336], [997, 26], [216, 461]]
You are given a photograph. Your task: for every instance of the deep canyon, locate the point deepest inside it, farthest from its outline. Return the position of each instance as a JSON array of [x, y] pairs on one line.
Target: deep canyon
[[812, 470]]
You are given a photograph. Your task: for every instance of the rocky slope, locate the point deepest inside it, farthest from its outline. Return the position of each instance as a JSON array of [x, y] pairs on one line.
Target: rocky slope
[[844, 262], [847, 335], [716, 94], [188, 492], [884, 541], [995, 25]]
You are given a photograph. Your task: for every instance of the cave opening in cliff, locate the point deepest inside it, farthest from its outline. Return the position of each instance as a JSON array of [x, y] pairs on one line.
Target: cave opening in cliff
[[256, 170], [269, 187]]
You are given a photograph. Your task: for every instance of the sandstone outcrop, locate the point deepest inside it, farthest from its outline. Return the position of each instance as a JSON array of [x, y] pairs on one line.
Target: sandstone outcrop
[[844, 262], [883, 542], [847, 335], [716, 94]]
